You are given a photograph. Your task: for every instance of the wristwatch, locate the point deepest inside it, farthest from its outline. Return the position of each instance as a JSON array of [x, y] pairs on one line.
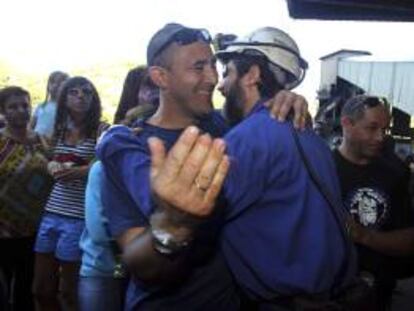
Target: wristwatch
[[166, 243]]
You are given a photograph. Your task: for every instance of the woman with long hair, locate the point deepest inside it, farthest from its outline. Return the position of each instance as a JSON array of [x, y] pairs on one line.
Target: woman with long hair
[[139, 97], [130, 89], [24, 187], [43, 119], [57, 250]]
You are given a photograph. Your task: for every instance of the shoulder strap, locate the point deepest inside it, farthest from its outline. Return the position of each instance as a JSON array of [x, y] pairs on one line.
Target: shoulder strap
[[337, 210]]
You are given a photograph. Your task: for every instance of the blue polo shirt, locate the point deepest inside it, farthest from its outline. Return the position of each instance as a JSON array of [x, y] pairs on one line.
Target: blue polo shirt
[[281, 237], [127, 203]]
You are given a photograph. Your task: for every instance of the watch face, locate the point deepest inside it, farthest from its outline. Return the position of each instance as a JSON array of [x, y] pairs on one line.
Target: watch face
[[162, 236], [166, 243], [161, 241]]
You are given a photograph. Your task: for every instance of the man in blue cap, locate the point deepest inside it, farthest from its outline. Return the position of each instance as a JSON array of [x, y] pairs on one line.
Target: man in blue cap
[[173, 274]]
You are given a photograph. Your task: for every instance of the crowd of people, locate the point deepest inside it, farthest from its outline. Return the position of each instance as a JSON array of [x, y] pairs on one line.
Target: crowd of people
[[182, 207]]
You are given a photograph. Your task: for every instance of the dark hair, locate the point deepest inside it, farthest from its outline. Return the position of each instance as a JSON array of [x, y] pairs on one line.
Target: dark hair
[[355, 107], [136, 81], [93, 116], [10, 91], [268, 85], [129, 96], [149, 92]]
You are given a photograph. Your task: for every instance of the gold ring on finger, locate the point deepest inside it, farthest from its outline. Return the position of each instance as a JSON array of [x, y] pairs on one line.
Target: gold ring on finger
[[199, 187]]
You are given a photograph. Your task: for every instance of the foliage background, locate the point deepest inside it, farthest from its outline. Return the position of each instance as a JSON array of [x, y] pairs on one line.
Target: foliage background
[[107, 77]]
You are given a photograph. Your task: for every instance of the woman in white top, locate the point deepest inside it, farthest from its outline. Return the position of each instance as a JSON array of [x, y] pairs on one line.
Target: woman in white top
[[43, 119]]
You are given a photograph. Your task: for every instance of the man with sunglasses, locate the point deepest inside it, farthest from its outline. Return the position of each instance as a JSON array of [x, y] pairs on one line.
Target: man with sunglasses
[[173, 274], [376, 194]]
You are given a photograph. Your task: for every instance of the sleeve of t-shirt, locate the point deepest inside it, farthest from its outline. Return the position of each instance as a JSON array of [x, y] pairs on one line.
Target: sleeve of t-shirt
[[126, 192]]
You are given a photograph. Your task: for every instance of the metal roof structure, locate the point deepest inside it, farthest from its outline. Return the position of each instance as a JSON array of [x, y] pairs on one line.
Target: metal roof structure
[[370, 10], [391, 79]]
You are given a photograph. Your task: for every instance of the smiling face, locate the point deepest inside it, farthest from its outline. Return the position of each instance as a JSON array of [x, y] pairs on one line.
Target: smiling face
[[190, 78], [17, 111]]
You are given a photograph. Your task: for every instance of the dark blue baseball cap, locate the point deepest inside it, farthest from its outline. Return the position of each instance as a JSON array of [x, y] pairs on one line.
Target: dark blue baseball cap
[[174, 32]]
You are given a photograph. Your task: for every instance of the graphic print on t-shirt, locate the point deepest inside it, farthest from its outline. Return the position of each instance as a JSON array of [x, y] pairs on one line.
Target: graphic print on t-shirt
[[368, 206]]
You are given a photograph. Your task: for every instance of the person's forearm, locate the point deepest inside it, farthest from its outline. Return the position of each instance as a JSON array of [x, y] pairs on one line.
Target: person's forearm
[[151, 261], [392, 243], [84, 170], [150, 266]]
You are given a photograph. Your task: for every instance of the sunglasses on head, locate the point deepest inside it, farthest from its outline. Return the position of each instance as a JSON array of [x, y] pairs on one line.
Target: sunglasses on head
[[368, 102], [372, 102], [188, 36]]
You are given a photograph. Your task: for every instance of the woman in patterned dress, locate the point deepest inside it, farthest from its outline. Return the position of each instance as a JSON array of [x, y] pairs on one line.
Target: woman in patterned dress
[[24, 187]]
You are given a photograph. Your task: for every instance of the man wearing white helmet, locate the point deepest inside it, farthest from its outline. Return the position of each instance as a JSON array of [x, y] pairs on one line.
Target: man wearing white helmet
[[282, 238], [280, 53], [170, 273]]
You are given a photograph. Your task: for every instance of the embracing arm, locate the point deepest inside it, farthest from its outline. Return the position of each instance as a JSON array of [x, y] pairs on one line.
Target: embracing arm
[[286, 103], [68, 174]]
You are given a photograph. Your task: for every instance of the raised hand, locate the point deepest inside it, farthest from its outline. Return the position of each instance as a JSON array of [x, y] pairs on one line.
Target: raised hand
[[189, 178]]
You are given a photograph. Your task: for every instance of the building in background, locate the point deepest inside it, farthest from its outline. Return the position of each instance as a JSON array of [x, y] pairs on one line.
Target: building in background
[[345, 74]]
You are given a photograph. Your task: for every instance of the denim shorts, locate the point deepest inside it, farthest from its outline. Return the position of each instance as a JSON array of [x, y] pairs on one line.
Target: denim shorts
[[60, 235]]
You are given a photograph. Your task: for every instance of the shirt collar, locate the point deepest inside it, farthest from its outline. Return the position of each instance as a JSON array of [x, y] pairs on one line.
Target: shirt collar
[[259, 105]]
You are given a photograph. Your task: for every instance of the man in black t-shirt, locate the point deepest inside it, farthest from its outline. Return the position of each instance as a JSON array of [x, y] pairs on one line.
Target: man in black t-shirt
[[375, 192]]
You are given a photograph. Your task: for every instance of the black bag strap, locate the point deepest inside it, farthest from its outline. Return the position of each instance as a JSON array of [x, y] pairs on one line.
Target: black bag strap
[[337, 210]]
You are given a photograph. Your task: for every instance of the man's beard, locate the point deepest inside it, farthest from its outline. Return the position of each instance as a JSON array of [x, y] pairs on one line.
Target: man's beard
[[233, 105]]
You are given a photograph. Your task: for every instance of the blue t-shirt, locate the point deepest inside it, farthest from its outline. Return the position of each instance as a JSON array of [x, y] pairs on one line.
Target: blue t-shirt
[[97, 254], [127, 203], [281, 237], [45, 118]]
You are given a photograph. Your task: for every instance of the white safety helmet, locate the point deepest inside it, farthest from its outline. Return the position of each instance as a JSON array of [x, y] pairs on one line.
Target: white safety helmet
[[280, 50]]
